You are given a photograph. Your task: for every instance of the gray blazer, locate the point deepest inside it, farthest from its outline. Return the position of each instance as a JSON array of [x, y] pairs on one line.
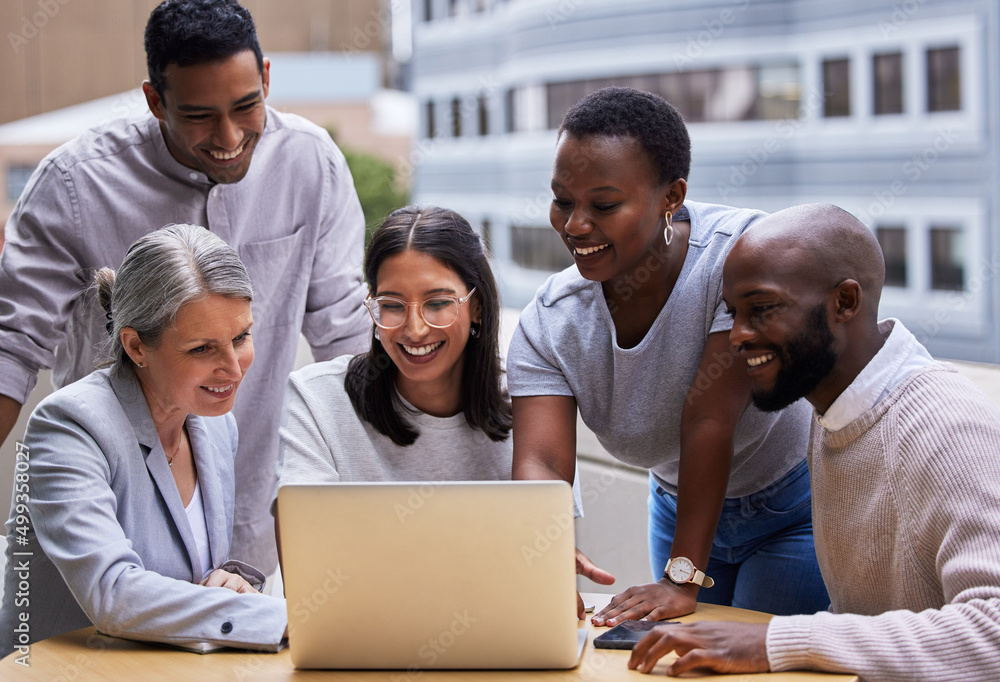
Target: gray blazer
[[105, 539]]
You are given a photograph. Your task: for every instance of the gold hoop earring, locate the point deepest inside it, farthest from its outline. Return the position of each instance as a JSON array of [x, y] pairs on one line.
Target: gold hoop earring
[[668, 232]]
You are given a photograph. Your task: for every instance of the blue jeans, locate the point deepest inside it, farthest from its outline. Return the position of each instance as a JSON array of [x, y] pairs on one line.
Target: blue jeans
[[763, 556]]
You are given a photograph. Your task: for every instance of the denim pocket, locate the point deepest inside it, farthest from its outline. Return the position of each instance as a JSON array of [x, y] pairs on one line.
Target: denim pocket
[[787, 495]]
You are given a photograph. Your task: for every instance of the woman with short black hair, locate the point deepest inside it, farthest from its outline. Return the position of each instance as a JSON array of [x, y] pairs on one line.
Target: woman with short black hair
[[635, 337]]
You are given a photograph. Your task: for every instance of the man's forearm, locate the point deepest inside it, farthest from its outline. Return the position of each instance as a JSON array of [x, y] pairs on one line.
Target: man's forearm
[[9, 411]]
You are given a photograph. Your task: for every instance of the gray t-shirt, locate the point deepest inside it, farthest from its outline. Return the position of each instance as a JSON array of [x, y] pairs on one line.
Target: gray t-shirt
[[324, 441], [632, 398]]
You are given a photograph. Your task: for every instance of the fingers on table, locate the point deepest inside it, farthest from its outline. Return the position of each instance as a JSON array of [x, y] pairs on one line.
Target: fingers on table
[[658, 643]]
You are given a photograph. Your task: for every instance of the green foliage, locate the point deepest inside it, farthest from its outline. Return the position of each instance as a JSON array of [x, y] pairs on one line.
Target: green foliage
[[375, 182]]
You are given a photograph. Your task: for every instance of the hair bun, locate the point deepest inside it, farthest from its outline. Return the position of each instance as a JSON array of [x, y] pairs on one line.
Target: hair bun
[[105, 280]]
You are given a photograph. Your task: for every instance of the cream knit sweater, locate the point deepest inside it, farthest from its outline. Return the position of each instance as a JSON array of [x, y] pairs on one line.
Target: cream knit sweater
[[906, 513]]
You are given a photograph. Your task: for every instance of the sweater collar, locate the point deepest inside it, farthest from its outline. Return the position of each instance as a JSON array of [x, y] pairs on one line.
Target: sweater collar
[[901, 354]]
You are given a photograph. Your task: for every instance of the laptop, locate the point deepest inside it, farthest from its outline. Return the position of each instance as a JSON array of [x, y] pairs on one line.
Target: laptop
[[413, 576]]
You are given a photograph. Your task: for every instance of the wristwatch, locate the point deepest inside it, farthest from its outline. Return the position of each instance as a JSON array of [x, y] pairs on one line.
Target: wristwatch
[[681, 570]]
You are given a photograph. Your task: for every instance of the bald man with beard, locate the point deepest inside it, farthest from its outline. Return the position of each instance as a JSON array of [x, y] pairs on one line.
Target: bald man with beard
[[905, 465]]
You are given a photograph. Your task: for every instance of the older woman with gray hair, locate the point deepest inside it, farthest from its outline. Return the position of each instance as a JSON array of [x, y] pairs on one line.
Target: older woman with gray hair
[[122, 513]]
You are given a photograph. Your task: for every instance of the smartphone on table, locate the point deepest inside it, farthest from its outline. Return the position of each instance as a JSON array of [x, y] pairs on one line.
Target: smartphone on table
[[627, 634]]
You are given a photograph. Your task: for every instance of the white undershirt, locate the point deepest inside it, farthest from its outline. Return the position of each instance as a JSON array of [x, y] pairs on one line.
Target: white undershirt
[[195, 511], [899, 356]]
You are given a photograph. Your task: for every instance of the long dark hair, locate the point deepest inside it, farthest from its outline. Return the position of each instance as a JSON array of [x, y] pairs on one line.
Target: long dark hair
[[371, 376]]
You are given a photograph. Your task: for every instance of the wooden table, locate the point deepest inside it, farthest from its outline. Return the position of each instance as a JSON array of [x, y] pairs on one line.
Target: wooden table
[[85, 655]]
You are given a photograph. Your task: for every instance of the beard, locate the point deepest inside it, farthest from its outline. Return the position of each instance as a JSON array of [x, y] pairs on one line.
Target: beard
[[805, 361]]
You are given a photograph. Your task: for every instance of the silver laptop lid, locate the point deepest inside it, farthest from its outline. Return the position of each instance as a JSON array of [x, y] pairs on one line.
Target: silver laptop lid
[[413, 576]]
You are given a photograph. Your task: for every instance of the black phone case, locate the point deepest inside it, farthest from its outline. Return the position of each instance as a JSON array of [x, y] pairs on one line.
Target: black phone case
[[626, 635]]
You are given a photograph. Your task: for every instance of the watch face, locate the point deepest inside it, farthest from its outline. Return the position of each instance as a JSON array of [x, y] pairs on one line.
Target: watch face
[[680, 570]]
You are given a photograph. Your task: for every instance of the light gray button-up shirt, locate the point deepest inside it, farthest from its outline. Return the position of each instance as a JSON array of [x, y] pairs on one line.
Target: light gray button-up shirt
[[295, 221]]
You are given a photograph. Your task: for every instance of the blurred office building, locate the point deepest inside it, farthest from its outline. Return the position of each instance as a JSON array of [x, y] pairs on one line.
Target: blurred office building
[[888, 108]]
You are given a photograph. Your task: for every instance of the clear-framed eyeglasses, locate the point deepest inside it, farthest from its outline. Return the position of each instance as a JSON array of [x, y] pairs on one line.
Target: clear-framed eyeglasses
[[389, 312]]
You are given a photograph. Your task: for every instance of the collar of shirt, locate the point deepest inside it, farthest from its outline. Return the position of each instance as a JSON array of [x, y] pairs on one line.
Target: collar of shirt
[[900, 355], [165, 162]]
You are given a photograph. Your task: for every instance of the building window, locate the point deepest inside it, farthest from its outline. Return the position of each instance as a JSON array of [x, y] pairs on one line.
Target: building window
[[456, 117], [887, 79], [484, 116], [510, 111], [779, 92], [944, 82], [539, 248], [947, 269], [836, 87], [741, 93], [893, 243], [431, 124], [561, 96], [17, 179]]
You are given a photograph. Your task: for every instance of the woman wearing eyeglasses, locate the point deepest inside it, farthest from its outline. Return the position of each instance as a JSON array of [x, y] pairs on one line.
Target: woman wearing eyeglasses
[[426, 402]]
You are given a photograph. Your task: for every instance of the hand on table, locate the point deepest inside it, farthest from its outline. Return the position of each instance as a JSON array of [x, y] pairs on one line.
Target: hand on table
[[588, 569], [231, 581], [722, 647], [655, 601]]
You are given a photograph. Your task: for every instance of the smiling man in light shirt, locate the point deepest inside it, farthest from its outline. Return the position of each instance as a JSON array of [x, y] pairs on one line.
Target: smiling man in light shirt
[[904, 465], [211, 153]]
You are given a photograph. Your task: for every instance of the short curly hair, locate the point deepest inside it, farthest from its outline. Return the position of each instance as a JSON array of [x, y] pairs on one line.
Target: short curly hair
[[187, 32], [651, 120]]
